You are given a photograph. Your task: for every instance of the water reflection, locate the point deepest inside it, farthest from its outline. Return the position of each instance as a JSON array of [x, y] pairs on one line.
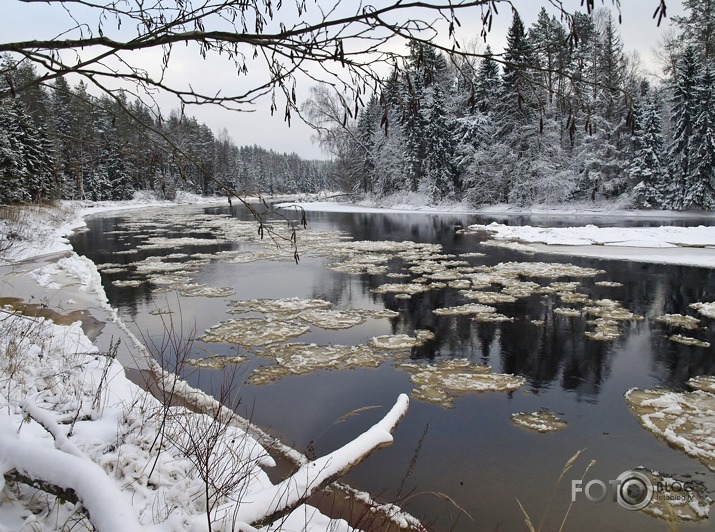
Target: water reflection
[[473, 452]]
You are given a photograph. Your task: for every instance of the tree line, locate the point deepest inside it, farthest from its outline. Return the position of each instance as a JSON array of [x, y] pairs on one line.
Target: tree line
[[60, 142], [562, 114]]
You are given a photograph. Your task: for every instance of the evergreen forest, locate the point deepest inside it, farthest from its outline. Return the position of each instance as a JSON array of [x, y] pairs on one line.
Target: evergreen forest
[[562, 114], [60, 142]]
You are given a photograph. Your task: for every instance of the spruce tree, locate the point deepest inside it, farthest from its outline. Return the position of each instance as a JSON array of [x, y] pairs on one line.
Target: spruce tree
[[647, 168], [698, 27], [700, 183], [438, 180], [487, 83], [684, 108]]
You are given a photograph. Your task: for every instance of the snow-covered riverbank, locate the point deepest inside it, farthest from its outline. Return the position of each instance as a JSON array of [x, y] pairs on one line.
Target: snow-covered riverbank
[[665, 244], [75, 426]]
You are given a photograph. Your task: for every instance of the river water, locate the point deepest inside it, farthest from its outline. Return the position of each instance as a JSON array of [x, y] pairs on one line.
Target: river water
[[460, 464]]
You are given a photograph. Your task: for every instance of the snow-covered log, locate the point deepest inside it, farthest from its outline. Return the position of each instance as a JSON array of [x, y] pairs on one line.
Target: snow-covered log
[[108, 508], [274, 502]]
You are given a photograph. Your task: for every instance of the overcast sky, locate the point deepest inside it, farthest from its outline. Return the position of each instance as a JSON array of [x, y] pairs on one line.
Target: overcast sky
[[21, 21]]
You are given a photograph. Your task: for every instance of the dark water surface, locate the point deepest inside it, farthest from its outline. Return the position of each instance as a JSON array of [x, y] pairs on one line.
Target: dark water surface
[[471, 453]]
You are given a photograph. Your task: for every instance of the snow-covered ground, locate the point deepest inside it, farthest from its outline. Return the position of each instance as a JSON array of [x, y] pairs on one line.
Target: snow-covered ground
[[689, 246], [102, 449], [71, 419], [45, 230]]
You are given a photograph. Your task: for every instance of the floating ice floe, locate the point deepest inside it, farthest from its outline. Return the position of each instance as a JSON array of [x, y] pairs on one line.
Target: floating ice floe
[[573, 297], [253, 331], [300, 359], [397, 342], [605, 331], [563, 286], [609, 314], [706, 309], [157, 242], [440, 383], [520, 289], [158, 265], [174, 280], [409, 289], [706, 383], [548, 270], [688, 340], [110, 266], [216, 361], [686, 420], [491, 317], [460, 284], [541, 421], [284, 307], [333, 319], [676, 499], [514, 246], [160, 311], [488, 297], [570, 312], [128, 282], [679, 320], [361, 265], [200, 290], [469, 308], [611, 284]]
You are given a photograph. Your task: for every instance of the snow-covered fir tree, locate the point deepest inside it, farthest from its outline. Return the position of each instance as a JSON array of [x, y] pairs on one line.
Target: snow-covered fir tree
[[648, 169], [700, 182], [684, 109]]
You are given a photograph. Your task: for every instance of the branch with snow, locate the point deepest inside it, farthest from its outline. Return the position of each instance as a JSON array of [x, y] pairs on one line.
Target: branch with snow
[[274, 502], [108, 508]]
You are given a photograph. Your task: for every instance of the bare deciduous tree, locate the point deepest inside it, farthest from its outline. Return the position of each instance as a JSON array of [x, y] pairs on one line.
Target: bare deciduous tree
[[342, 43]]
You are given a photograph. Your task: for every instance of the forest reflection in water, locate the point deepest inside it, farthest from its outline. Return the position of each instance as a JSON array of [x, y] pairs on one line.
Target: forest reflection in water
[[470, 451]]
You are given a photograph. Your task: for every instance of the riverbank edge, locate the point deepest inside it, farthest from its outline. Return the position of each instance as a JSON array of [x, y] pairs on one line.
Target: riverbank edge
[[102, 324]]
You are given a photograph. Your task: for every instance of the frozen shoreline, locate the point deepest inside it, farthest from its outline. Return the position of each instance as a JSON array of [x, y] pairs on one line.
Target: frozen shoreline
[[417, 204], [65, 287], [667, 244]]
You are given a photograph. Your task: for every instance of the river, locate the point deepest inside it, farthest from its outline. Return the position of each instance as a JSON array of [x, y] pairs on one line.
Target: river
[[459, 463]]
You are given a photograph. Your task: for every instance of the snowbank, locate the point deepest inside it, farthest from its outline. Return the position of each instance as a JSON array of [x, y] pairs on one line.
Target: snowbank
[[42, 230], [106, 454], [689, 246], [411, 202]]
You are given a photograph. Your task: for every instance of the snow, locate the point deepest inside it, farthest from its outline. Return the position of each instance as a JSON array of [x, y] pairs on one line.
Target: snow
[[691, 246], [667, 244], [684, 420], [541, 421], [69, 417], [105, 438], [440, 383], [47, 228]]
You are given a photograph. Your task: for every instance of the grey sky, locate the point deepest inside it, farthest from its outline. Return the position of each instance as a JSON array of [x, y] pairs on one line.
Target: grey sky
[[22, 21]]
